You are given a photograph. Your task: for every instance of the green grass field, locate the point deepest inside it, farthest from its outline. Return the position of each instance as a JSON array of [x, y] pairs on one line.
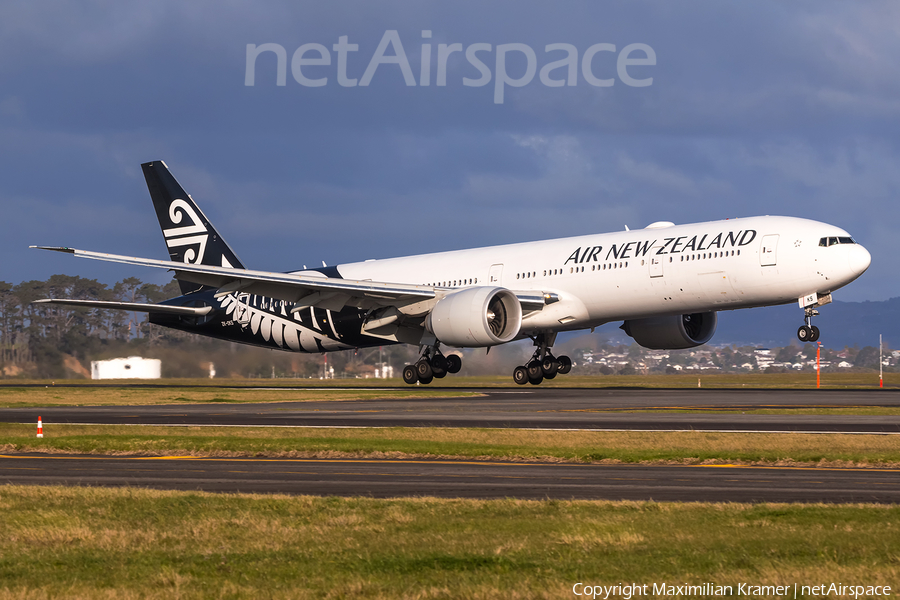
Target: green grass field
[[86, 543]]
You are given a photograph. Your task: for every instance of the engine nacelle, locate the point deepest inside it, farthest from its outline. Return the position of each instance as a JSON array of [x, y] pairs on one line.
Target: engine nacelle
[[672, 333], [476, 317]]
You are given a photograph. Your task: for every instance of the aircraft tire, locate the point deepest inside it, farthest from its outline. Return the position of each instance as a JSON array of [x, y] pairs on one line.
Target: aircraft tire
[[565, 364], [534, 370], [454, 363], [520, 375], [426, 380], [438, 374], [439, 363], [549, 366], [815, 334], [423, 371], [410, 375], [537, 380], [804, 334]]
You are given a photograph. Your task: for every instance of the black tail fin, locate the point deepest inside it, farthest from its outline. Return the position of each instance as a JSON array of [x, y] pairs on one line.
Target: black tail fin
[[189, 235]]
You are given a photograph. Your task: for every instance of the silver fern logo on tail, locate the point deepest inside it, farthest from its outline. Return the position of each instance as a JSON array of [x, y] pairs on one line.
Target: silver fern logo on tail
[[188, 234]]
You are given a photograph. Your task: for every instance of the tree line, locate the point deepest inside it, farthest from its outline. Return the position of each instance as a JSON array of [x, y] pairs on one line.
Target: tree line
[[35, 337], [56, 341]]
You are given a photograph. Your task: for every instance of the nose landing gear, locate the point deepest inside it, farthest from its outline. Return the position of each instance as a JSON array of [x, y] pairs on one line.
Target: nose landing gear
[[808, 332]]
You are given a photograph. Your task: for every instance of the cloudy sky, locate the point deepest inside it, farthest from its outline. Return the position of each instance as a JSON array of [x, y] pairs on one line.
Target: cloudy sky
[[753, 108]]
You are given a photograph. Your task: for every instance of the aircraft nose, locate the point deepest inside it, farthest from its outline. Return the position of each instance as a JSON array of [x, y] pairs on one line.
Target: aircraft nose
[[858, 259]]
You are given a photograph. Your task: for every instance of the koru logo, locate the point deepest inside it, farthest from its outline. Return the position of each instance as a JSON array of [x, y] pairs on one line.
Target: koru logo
[[189, 234]]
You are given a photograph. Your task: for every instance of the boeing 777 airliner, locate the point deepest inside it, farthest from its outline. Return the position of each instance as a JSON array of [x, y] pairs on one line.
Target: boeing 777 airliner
[[665, 282]]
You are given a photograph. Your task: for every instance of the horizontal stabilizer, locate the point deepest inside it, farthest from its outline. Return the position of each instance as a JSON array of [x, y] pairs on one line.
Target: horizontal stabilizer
[[132, 306]]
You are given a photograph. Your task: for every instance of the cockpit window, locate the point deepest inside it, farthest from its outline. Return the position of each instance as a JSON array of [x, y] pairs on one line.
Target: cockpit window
[[833, 241]]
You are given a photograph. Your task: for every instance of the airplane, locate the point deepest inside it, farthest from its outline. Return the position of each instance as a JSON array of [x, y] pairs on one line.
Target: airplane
[[665, 282]]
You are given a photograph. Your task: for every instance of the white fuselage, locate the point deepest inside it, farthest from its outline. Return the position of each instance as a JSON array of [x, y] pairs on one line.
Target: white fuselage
[[661, 270]]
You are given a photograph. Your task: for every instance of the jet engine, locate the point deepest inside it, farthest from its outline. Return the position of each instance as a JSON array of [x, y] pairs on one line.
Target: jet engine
[[672, 333], [476, 317]]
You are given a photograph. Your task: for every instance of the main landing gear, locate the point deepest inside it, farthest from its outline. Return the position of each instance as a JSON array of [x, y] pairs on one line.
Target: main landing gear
[[808, 332], [543, 365], [432, 364]]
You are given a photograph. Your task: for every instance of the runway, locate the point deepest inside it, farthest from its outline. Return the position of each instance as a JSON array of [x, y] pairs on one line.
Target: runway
[[548, 408], [460, 479]]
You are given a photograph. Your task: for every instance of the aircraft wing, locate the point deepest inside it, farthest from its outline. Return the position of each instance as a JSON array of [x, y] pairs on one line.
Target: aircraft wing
[[302, 290]]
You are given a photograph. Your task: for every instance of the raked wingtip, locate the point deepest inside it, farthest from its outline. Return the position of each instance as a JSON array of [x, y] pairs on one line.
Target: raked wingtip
[[55, 248]]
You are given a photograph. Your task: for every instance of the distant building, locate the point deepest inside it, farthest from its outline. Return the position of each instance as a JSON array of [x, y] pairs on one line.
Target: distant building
[[764, 358], [133, 367]]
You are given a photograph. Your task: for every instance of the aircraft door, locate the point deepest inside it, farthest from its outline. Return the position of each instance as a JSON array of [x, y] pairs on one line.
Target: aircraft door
[[496, 274], [656, 266], [768, 250]]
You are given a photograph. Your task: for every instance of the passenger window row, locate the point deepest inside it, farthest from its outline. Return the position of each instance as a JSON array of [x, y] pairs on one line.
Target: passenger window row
[[454, 282], [573, 270], [704, 255]]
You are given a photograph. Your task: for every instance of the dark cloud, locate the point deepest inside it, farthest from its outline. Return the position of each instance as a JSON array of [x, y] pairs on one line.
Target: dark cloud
[[769, 108]]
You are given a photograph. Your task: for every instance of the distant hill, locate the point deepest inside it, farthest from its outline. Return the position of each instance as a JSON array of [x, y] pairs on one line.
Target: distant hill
[[842, 324]]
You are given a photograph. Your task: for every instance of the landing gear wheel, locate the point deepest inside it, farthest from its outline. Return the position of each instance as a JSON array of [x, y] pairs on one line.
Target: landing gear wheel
[[520, 375], [805, 333], [542, 364], [410, 375], [815, 334], [426, 380], [423, 371], [454, 363], [549, 366], [439, 363], [439, 367]]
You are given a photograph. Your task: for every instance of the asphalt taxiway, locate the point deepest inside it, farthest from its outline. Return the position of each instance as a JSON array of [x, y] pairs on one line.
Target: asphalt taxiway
[[459, 479]]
